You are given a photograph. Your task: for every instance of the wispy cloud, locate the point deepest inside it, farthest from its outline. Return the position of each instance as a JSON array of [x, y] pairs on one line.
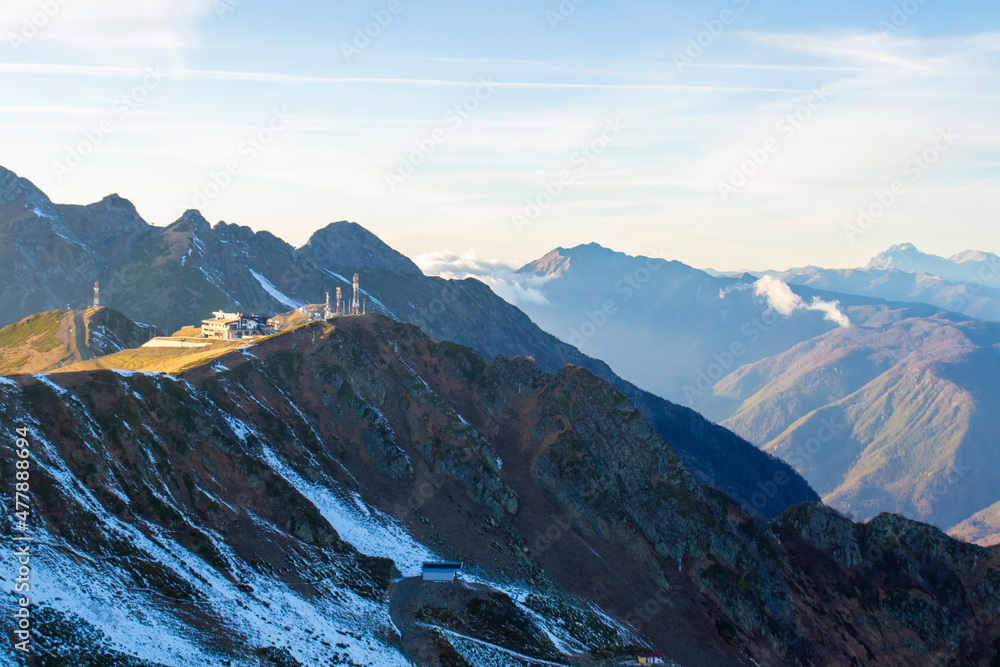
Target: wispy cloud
[[924, 56], [109, 26], [500, 276], [688, 132], [279, 77], [781, 298]]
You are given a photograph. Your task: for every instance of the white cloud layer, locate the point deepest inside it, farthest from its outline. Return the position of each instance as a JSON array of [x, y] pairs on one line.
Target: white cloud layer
[[500, 276]]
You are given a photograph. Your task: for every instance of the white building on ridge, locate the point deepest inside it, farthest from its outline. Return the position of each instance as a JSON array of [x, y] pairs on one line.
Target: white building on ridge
[[235, 325]]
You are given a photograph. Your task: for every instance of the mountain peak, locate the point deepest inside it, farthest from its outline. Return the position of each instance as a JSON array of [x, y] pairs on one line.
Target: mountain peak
[[969, 265], [194, 219], [974, 256], [10, 185], [593, 255], [553, 263], [116, 203], [349, 245], [15, 188], [559, 258], [905, 257], [589, 247]]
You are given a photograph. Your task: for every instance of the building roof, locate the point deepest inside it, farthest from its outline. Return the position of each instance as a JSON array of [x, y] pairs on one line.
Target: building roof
[[224, 317], [442, 565]]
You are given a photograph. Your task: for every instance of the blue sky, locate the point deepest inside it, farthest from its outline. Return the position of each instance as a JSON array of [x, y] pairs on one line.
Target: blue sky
[[728, 134]]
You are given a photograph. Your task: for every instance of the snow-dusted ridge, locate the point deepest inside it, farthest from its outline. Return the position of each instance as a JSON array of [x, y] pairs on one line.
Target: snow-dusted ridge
[[278, 295], [371, 531]]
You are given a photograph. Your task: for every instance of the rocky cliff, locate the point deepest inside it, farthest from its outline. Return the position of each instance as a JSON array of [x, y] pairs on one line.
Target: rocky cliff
[[258, 506]]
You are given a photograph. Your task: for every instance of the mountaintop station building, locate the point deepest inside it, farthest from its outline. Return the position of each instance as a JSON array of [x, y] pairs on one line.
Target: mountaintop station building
[[647, 658], [441, 571], [228, 326]]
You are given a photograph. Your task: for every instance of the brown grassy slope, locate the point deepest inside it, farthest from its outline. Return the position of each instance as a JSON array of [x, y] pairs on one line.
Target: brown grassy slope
[[895, 414], [58, 338], [36, 343]]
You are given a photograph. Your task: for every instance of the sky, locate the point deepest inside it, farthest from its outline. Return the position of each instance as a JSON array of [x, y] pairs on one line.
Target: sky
[[731, 134]]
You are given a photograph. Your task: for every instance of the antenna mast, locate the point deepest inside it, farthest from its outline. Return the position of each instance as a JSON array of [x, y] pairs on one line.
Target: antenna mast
[[356, 303]]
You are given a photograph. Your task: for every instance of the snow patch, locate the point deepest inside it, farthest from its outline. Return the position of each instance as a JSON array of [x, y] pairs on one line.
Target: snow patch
[[426, 386], [376, 534], [52, 385], [129, 374], [275, 292], [239, 427]]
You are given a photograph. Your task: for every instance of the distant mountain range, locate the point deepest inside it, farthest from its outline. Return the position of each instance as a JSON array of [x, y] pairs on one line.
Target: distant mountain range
[[177, 275], [968, 282], [894, 412], [966, 266], [271, 501]]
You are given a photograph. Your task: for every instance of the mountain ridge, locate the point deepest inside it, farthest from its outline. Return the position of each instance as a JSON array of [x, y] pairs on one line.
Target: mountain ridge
[[778, 379], [361, 445], [176, 275]]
